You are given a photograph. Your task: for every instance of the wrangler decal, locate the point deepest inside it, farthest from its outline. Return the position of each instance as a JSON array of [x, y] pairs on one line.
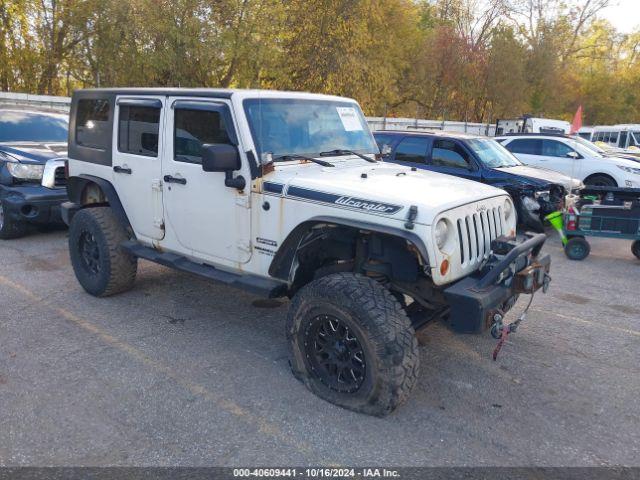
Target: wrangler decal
[[352, 203]]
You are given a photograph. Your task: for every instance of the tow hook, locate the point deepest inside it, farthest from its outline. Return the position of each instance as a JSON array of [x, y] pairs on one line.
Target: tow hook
[[500, 330], [496, 326]]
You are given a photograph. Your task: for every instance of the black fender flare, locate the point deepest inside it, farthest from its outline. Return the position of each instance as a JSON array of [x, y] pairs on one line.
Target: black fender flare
[[284, 258], [75, 187]]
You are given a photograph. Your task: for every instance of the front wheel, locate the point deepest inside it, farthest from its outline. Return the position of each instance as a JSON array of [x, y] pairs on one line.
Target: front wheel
[[352, 344], [100, 264], [635, 248], [600, 180]]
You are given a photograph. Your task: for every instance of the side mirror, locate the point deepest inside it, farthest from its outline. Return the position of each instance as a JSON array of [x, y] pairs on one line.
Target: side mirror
[[574, 155], [220, 157], [385, 151]]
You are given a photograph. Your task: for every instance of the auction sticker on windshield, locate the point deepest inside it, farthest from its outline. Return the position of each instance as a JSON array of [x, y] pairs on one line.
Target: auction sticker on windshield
[[350, 120]]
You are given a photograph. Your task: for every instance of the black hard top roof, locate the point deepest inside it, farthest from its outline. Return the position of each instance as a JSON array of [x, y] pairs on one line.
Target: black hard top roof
[[169, 91]]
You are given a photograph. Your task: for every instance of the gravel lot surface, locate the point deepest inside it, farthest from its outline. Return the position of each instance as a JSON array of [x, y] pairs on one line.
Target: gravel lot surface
[[180, 371]]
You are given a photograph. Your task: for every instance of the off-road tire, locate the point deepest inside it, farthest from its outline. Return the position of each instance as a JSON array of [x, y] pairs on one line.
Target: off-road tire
[[635, 249], [381, 327], [9, 228], [116, 269], [577, 248]]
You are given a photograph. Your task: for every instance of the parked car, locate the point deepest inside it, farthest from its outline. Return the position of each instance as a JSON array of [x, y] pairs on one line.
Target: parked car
[[33, 149], [607, 150], [536, 192], [566, 154], [280, 193]]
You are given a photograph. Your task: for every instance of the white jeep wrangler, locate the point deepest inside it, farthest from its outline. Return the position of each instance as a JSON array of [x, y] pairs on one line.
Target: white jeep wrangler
[[283, 194]]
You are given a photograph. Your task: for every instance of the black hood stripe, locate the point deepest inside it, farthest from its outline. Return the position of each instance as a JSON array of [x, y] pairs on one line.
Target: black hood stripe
[[339, 201]]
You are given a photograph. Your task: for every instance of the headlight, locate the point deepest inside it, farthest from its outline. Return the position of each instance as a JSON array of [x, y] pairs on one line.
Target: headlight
[[530, 204], [629, 169], [544, 195], [441, 232], [508, 209], [25, 171]]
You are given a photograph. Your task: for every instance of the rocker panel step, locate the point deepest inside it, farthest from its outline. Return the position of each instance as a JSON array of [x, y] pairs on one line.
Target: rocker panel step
[[252, 283]]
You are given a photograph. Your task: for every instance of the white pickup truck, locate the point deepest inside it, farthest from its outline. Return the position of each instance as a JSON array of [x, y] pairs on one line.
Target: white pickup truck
[[283, 194]]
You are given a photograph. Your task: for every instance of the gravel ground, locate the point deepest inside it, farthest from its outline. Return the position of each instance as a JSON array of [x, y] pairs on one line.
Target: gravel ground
[[180, 371]]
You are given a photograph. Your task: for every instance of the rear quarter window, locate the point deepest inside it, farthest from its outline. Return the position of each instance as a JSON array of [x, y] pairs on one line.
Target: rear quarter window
[[93, 128]]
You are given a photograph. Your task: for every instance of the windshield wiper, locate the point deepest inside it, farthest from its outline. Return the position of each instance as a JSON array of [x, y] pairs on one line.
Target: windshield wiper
[[303, 157], [334, 153]]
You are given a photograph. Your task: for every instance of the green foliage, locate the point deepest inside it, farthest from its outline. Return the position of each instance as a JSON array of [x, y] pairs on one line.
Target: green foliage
[[473, 60]]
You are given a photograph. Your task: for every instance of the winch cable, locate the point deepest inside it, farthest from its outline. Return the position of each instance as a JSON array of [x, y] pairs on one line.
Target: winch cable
[[511, 328]]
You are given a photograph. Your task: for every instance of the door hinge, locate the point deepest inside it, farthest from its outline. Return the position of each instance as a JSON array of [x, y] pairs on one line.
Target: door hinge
[[244, 246], [243, 201]]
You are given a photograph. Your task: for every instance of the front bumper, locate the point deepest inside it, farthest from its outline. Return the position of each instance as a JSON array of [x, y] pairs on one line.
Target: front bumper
[[476, 299], [33, 203]]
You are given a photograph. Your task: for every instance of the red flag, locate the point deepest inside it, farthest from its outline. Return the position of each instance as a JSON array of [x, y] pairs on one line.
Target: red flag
[[577, 121]]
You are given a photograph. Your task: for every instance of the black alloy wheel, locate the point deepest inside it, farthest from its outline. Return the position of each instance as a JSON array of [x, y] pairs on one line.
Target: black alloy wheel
[[89, 252], [335, 354]]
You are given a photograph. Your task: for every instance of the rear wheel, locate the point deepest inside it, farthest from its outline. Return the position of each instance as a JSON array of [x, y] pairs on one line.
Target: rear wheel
[[100, 264], [577, 248], [600, 180], [352, 344], [9, 228], [635, 248]]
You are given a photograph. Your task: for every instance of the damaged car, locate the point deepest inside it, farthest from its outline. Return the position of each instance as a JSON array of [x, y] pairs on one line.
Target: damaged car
[[536, 192]]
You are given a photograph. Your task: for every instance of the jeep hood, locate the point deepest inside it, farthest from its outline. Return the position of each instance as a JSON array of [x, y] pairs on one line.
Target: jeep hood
[[378, 189]]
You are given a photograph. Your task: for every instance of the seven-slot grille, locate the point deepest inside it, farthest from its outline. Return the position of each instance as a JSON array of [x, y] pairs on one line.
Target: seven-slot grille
[[60, 179], [475, 233]]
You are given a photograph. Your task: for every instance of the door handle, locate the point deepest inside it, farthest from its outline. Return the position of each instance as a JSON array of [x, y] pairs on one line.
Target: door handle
[[170, 179], [119, 169]]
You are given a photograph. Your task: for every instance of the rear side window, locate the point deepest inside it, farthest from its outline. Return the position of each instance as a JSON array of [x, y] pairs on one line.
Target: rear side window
[[138, 129], [412, 149], [194, 128], [92, 123], [527, 146], [447, 153]]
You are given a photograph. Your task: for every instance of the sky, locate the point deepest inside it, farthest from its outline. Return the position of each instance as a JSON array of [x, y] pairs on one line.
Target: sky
[[623, 14]]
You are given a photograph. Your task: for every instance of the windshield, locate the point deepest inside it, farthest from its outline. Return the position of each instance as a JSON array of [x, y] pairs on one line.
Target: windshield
[[307, 127], [492, 154], [590, 145], [32, 127], [586, 148]]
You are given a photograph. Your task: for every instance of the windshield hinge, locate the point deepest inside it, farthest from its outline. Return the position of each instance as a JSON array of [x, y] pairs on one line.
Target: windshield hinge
[[411, 216]]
